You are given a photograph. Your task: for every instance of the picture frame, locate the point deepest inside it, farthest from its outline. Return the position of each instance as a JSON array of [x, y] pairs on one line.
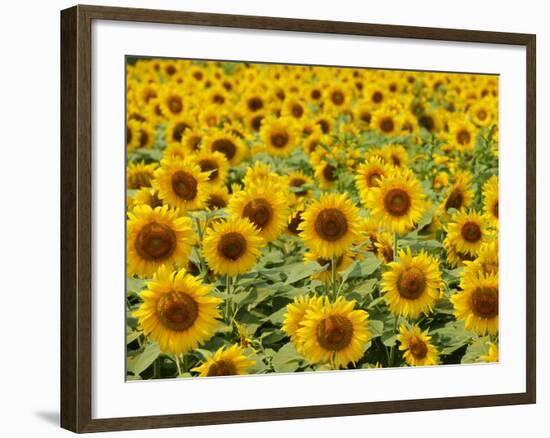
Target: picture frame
[[77, 238]]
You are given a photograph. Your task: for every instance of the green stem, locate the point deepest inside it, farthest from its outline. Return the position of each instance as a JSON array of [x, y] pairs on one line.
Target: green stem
[[394, 346], [202, 267], [333, 278], [229, 299], [178, 366], [394, 246]]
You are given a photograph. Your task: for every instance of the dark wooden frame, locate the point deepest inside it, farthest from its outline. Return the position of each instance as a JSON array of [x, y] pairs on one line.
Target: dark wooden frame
[[76, 174]]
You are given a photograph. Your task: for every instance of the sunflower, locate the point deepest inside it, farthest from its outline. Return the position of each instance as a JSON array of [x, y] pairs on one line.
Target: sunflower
[[140, 175], [342, 263], [218, 197], [462, 134], [265, 206], [396, 155], [295, 313], [181, 184], [492, 353], [326, 173], [411, 284], [175, 151], [477, 304], [157, 236], [133, 134], [485, 263], [467, 232], [171, 102], [295, 219], [490, 200], [331, 225], [146, 134], [459, 195], [416, 346], [148, 196], [334, 333], [294, 107], [191, 140], [299, 185], [368, 175], [482, 112], [441, 180], [279, 135], [383, 246], [225, 362], [455, 258], [261, 174], [227, 143], [232, 247], [177, 128], [398, 202], [214, 164], [384, 120], [177, 311]]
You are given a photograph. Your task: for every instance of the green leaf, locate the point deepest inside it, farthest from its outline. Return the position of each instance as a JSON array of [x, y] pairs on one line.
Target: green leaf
[[376, 327], [286, 359], [142, 361], [135, 284], [298, 271]]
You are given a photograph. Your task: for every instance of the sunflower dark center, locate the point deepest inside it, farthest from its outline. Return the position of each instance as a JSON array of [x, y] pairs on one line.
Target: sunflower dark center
[[482, 114], [325, 126], [484, 302], [193, 142], [335, 332], [329, 172], [177, 311], [386, 124], [232, 245], [366, 117], [316, 94], [337, 97], [179, 129], [139, 180], [155, 242], [128, 135], [331, 224], [211, 166], [411, 283], [297, 111], [427, 122], [255, 104], [143, 138], [170, 70], [298, 183], [471, 232], [222, 368], [397, 202], [377, 97], [295, 223], [418, 348], [279, 139], [218, 98], [495, 209], [256, 123], [216, 202], [259, 212], [463, 137], [185, 185], [454, 200], [175, 104], [225, 146]]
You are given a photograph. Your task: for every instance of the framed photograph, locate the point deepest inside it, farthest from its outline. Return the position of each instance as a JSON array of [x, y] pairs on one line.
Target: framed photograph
[[269, 218]]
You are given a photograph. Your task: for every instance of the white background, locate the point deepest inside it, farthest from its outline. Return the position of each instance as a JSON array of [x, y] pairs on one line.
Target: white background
[[29, 106]]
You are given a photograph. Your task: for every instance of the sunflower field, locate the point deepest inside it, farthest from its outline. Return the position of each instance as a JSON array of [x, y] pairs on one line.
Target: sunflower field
[[303, 218]]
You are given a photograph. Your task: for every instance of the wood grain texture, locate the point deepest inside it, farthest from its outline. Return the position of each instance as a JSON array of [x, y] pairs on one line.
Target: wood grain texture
[[76, 224]]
